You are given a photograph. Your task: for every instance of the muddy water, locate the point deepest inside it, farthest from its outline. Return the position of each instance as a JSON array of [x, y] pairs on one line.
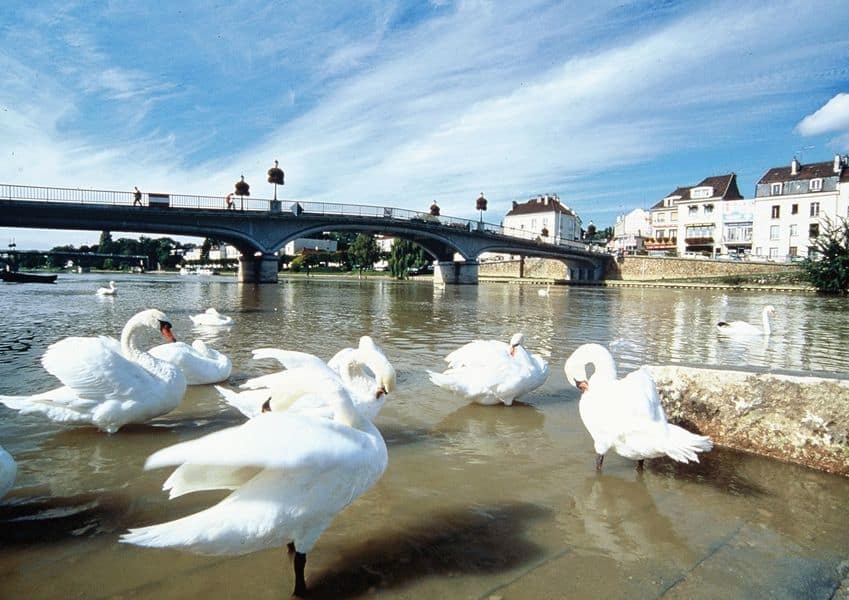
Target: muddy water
[[477, 501]]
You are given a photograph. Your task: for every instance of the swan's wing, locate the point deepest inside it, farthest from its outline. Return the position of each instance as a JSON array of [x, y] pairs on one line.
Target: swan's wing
[[249, 402], [188, 478], [290, 359], [344, 357], [284, 441], [640, 386], [478, 353], [95, 369]]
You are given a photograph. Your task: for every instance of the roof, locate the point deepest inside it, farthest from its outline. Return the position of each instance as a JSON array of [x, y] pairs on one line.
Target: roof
[[540, 204], [811, 171], [724, 188]]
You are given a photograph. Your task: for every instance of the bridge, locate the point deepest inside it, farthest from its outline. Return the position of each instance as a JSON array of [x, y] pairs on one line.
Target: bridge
[[258, 228]]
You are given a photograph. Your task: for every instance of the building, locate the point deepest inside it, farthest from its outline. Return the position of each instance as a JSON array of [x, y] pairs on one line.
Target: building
[[793, 202], [709, 218], [297, 246], [543, 217], [631, 231]]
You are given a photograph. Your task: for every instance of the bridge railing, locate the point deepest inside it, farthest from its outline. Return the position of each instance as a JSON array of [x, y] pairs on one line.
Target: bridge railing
[[153, 199]]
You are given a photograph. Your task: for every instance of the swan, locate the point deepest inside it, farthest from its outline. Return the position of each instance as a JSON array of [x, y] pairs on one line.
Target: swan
[[106, 383], [626, 414], [211, 318], [744, 328], [8, 471], [199, 362], [107, 291], [544, 291], [291, 474], [365, 372], [491, 371]]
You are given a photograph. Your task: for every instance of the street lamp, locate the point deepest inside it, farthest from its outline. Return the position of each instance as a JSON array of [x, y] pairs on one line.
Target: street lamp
[[242, 190], [275, 176], [480, 204]]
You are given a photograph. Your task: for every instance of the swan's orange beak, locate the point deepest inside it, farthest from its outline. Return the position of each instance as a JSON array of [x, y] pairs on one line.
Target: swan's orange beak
[[379, 392], [165, 330], [512, 350], [582, 385]]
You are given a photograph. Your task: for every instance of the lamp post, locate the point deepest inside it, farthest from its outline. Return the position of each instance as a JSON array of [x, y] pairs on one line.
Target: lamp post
[[242, 190], [480, 204], [275, 176]]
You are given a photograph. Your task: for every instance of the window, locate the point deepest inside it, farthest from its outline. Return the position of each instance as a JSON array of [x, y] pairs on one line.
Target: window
[[773, 253], [708, 209], [773, 232], [794, 209], [775, 189], [776, 211], [661, 217], [815, 209], [693, 210], [794, 251], [814, 230], [816, 185], [794, 230]]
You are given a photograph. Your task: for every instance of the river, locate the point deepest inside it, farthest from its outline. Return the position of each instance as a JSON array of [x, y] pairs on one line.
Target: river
[[477, 502]]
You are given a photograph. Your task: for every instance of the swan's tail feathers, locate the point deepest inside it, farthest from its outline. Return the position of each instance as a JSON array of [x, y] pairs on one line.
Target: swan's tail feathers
[[442, 380], [56, 409], [683, 446], [248, 403], [195, 533]]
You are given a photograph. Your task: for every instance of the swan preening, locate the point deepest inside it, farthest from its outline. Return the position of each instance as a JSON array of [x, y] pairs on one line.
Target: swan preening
[[8, 472], [108, 291], [211, 318], [199, 362], [626, 414], [365, 373], [744, 328], [106, 383], [291, 473], [492, 372]]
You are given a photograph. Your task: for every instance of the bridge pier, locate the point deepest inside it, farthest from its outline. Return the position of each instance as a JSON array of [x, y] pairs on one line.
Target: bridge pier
[[447, 272], [258, 269]]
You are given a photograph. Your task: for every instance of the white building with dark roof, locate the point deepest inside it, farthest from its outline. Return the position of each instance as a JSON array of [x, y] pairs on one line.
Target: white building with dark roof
[[792, 203], [543, 217]]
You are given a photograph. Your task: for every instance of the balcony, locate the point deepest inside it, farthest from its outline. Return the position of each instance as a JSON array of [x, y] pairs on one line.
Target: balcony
[[699, 241], [660, 243]]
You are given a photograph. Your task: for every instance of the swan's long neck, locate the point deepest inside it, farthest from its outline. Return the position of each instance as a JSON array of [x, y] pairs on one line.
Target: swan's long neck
[[602, 361], [128, 338], [767, 329]]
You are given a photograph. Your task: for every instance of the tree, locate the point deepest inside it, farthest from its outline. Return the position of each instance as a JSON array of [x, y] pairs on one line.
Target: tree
[[363, 251], [105, 245], [828, 268], [404, 256]]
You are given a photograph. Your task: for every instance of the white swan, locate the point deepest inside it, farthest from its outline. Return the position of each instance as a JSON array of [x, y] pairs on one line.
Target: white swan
[[490, 371], [291, 474], [211, 318], [544, 291], [200, 363], [108, 291], [744, 328], [626, 414], [365, 372], [107, 384], [8, 471]]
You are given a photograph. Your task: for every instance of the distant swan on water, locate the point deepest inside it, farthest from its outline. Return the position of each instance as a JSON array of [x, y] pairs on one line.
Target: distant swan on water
[[107, 291], [744, 328]]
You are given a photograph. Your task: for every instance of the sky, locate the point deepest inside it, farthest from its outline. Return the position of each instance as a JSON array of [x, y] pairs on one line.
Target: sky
[[610, 105]]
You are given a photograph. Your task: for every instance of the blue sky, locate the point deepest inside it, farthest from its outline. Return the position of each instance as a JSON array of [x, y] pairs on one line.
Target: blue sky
[[611, 105]]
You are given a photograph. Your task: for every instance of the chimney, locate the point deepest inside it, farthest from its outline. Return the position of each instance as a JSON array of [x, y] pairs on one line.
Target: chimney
[[515, 204], [838, 163], [794, 166]]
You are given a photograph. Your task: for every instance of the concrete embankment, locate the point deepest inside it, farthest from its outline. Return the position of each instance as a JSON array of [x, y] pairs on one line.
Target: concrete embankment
[[793, 418]]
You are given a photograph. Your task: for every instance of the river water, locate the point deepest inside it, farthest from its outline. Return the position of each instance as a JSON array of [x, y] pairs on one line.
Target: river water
[[477, 501]]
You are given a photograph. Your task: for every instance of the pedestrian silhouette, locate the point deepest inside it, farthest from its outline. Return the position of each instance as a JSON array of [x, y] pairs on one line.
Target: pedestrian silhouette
[[230, 204], [136, 196]]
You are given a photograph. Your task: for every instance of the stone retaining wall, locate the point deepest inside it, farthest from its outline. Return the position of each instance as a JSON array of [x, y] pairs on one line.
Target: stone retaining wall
[[797, 419], [655, 268]]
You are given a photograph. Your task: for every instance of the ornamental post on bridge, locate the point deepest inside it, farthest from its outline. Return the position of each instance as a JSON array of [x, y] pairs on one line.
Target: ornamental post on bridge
[[243, 189], [275, 176], [480, 204]]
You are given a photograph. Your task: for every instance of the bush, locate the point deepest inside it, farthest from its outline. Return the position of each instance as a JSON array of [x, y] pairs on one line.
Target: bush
[[828, 269]]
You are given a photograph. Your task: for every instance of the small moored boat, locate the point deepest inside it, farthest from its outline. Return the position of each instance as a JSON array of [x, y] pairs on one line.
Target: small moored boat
[[18, 277]]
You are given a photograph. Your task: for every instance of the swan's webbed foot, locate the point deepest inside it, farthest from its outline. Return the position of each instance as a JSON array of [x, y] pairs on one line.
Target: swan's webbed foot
[[640, 464], [599, 459], [300, 583]]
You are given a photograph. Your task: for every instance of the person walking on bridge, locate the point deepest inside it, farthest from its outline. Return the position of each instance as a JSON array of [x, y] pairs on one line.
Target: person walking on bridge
[[136, 196]]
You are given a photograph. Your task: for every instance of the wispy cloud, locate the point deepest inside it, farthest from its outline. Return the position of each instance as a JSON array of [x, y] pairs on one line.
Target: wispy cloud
[[832, 118]]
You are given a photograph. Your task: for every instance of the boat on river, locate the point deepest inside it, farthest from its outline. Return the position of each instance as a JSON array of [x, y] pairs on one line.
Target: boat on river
[[18, 277]]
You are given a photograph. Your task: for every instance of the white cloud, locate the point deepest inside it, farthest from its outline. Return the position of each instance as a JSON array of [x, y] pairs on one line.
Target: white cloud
[[832, 117]]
